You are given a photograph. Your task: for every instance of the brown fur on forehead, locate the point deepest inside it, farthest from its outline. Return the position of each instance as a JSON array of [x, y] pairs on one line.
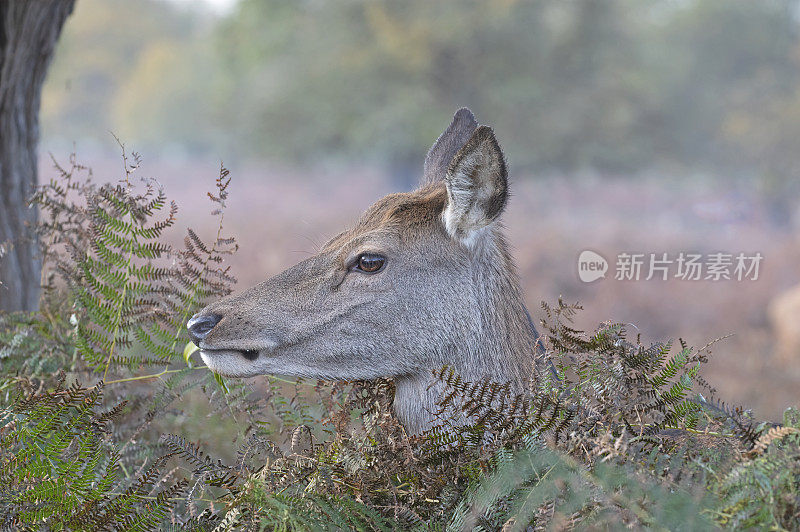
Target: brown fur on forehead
[[403, 209]]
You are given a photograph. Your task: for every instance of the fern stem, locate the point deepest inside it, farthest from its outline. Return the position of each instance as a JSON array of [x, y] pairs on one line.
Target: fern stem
[[151, 498], [695, 431], [703, 433], [154, 375], [118, 318], [166, 371]]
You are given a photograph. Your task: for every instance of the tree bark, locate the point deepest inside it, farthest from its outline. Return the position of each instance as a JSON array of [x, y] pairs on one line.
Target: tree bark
[[29, 30]]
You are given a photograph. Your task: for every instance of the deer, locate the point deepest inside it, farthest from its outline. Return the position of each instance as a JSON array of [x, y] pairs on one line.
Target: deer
[[422, 280]]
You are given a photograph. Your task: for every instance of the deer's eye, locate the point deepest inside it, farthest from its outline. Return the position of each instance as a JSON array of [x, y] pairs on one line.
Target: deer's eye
[[370, 263]]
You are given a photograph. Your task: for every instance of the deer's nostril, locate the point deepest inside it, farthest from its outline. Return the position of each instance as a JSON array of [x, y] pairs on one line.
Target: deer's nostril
[[199, 326], [250, 354]]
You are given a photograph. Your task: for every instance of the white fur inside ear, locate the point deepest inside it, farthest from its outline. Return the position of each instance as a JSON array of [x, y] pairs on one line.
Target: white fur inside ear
[[462, 217], [453, 225]]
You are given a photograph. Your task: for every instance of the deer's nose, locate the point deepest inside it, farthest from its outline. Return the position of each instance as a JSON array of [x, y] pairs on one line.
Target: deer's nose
[[200, 325]]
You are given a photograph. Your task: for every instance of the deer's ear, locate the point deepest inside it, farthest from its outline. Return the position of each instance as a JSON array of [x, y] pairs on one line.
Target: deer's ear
[[447, 145], [477, 186]]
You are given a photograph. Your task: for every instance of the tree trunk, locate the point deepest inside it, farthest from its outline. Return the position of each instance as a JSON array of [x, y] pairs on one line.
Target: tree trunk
[[29, 30]]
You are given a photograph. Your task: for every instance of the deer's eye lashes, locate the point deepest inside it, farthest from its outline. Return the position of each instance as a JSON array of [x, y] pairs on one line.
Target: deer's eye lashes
[[369, 263]]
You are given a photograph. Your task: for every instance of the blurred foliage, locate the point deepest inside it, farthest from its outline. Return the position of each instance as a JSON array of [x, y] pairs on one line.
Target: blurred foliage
[[614, 85], [112, 52]]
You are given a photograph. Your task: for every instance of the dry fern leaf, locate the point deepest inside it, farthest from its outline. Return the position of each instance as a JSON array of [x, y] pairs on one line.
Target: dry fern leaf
[[772, 435]]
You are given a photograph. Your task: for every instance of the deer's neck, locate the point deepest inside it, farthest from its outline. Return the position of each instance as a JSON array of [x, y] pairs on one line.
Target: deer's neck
[[497, 342]]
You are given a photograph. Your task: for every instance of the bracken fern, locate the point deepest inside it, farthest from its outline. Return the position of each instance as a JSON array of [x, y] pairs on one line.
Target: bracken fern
[[619, 433]]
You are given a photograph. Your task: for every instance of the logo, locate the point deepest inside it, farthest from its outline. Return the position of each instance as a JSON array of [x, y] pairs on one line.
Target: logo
[[591, 266]]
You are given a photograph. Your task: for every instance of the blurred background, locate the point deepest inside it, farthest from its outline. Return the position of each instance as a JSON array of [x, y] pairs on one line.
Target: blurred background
[[665, 126]]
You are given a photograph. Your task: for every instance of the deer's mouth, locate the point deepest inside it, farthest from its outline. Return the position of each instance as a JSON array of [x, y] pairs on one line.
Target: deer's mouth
[[233, 362], [249, 354]]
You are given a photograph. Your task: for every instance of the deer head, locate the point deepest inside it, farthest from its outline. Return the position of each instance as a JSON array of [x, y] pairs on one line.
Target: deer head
[[423, 279]]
